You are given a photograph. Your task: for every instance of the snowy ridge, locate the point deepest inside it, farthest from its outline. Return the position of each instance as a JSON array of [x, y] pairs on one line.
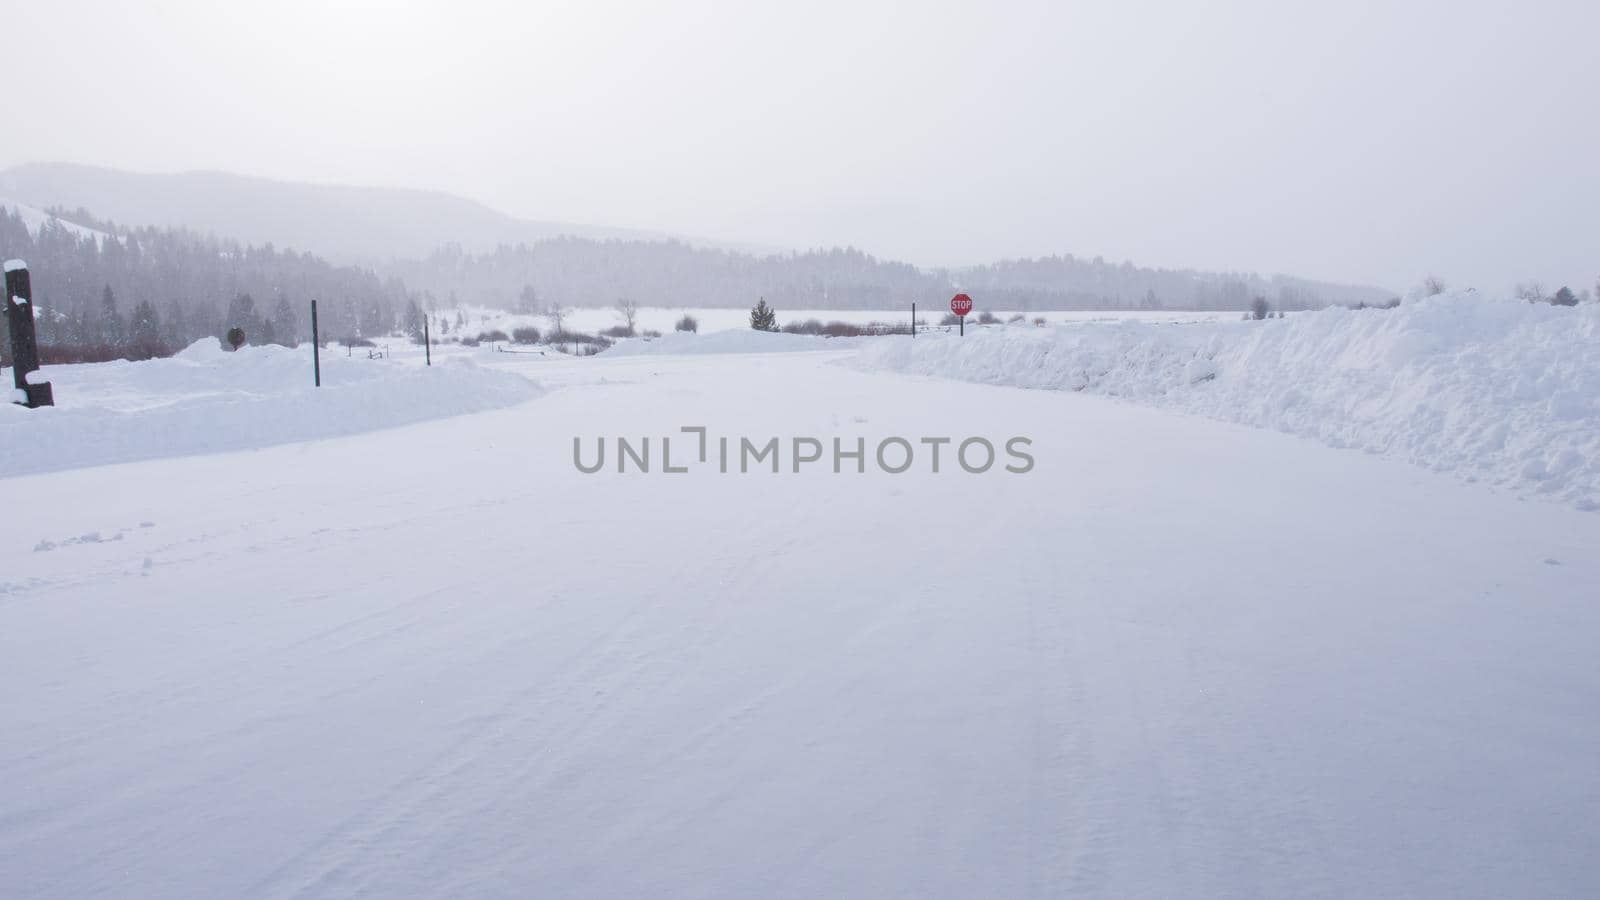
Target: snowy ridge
[[1494, 390], [37, 220], [206, 400]]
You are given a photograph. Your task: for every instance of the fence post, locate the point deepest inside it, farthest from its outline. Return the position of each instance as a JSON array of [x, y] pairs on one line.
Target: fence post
[[913, 320], [427, 342], [316, 348], [24, 342]]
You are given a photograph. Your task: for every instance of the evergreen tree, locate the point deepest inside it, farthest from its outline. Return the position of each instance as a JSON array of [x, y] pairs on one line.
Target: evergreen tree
[[144, 331], [528, 300], [111, 332], [176, 334], [285, 324], [763, 317], [1564, 297], [412, 323], [45, 322], [242, 315]]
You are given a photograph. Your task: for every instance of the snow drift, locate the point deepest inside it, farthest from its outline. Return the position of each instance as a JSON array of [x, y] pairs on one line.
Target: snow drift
[[1494, 390], [205, 400]]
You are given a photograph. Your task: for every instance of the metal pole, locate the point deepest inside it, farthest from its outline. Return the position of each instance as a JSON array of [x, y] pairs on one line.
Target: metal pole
[[913, 320], [962, 320], [316, 347], [24, 342], [427, 342]]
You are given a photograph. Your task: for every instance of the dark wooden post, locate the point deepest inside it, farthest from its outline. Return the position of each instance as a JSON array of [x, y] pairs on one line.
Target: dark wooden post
[[24, 342], [913, 320], [316, 347], [427, 342]]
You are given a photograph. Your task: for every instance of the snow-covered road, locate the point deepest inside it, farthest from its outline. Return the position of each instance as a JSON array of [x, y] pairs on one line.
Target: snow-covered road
[[1179, 658]]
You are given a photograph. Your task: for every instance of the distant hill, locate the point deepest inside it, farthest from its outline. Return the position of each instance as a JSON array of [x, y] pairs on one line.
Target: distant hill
[[448, 250], [347, 224]]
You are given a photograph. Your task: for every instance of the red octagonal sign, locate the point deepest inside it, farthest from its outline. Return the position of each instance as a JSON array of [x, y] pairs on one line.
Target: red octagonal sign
[[961, 304]]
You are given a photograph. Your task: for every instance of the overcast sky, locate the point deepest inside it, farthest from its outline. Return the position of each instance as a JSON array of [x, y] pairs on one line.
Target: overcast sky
[[1372, 142]]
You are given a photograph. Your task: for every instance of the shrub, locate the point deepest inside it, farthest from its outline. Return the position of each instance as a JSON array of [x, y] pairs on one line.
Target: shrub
[[527, 334], [650, 333], [809, 326], [1016, 319], [355, 342], [562, 340], [1258, 308], [492, 336], [845, 329], [235, 337], [950, 319], [62, 354], [988, 318], [618, 331], [687, 323]]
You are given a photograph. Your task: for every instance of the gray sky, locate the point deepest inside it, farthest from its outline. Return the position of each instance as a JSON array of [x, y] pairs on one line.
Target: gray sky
[[1373, 142]]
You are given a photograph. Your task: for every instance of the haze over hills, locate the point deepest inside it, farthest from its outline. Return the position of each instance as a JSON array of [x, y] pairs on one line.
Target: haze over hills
[[445, 250], [340, 222]]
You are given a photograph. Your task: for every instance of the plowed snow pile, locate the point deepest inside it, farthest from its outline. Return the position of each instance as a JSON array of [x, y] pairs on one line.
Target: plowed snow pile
[[205, 400], [1495, 390]]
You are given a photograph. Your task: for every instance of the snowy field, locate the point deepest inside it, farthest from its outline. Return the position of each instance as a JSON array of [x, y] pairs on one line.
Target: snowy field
[[405, 648]]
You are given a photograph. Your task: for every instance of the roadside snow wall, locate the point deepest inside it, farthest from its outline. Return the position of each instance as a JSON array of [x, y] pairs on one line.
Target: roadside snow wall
[[1501, 391]]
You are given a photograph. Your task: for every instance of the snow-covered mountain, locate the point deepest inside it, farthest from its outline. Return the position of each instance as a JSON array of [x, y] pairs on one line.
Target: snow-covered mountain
[[37, 219], [341, 222]]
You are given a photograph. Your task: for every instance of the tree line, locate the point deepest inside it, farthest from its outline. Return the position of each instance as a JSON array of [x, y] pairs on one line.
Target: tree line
[[581, 272], [105, 291]]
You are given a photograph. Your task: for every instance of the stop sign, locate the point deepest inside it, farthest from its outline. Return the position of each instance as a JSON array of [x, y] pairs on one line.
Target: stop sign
[[961, 304]]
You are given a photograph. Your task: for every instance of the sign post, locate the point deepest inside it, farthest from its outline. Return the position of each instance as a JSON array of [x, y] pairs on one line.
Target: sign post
[[316, 348], [961, 304], [24, 342]]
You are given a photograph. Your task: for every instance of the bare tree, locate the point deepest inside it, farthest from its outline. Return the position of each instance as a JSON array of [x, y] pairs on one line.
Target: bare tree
[[1258, 308], [629, 311], [556, 315], [1531, 291], [1433, 285]]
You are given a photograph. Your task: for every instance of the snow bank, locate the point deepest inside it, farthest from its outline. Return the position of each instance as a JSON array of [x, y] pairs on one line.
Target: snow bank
[[1497, 390], [736, 340], [205, 400]]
